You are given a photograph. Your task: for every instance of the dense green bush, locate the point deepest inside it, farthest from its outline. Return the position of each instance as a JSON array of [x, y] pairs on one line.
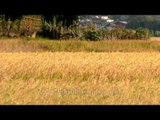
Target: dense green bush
[[157, 33], [142, 33], [91, 35], [71, 32]]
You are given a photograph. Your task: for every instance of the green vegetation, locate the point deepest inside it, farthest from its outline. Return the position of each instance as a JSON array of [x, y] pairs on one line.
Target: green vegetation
[[66, 27], [49, 26], [40, 44], [151, 22]]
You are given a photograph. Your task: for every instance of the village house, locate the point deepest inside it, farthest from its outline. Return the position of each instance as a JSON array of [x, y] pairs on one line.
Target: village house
[[102, 22], [121, 24]]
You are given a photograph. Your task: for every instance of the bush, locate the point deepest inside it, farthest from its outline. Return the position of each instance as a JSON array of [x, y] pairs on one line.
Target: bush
[[69, 35], [142, 33], [92, 35], [157, 34]]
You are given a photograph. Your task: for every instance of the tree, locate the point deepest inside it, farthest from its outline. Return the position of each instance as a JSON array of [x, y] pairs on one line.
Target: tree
[[30, 25], [10, 23], [146, 21], [52, 24]]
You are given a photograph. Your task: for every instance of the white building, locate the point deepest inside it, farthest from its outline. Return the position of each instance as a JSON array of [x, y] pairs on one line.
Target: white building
[[97, 17], [98, 20], [110, 20], [104, 17]]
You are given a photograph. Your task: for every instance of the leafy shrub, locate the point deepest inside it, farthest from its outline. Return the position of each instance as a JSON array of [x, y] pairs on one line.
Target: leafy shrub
[[92, 35], [157, 34], [142, 33]]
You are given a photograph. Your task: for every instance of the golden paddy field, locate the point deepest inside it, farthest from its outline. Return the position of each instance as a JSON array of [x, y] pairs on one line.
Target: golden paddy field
[[80, 78]]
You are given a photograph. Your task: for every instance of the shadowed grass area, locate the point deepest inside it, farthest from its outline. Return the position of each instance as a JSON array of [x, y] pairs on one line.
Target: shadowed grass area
[[39, 45]]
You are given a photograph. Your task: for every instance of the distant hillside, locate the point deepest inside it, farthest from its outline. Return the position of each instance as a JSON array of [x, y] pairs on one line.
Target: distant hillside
[[128, 17], [152, 22]]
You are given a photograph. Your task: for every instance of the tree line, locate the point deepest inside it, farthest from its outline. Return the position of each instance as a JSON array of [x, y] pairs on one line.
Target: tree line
[[151, 22], [63, 27], [91, 33], [31, 25]]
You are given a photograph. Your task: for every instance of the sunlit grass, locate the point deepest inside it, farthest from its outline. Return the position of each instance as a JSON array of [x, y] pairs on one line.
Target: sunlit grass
[[79, 78]]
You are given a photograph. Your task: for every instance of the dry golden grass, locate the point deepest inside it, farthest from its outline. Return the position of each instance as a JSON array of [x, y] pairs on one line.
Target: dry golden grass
[[80, 78], [155, 39]]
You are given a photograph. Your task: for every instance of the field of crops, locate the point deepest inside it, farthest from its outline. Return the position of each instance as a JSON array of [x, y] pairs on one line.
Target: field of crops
[[44, 45], [79, 78]]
